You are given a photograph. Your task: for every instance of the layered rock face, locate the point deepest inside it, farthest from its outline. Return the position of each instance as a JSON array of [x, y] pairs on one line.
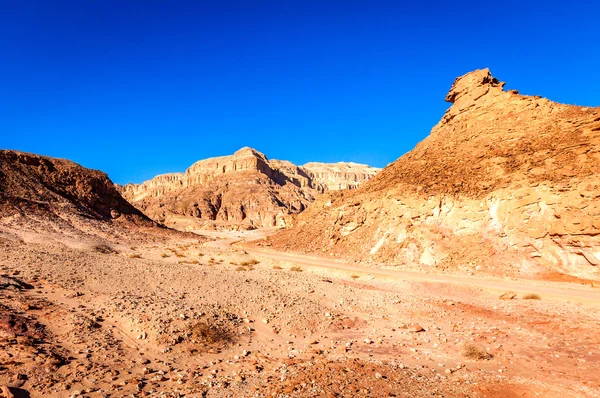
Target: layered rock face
[[245, 189], [36, 189], [505, 183]]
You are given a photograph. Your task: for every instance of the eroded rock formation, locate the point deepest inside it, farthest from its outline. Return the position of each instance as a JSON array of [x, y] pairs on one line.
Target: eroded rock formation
[[505, 182], [245, 189]]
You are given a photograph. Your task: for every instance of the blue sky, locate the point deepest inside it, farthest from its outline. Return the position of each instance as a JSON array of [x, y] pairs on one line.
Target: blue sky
[[138, 88]]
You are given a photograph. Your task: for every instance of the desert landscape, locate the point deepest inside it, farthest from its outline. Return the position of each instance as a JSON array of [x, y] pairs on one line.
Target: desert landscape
[[469, 267]]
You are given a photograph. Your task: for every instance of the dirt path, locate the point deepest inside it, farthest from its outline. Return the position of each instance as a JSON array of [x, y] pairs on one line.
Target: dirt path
[[560, 291]]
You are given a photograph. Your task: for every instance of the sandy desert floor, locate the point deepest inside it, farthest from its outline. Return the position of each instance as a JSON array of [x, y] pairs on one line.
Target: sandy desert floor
[[198, 316]]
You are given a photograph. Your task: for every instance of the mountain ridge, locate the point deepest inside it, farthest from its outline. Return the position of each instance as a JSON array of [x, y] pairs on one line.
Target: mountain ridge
[[244, 188]]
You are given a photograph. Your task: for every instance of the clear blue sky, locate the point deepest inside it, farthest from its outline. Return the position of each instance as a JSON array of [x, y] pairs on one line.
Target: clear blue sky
[[138, 88]]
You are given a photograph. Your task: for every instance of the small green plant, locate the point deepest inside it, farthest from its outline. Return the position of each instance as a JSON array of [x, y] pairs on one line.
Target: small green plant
[[472, 351], [532, 296]]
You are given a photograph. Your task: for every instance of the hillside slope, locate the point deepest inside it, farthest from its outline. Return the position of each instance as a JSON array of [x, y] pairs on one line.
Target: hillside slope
[[43, 194], [504, 183]]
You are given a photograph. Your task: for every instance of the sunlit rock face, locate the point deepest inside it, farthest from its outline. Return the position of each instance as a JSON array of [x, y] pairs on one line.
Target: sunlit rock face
[[504, 183]]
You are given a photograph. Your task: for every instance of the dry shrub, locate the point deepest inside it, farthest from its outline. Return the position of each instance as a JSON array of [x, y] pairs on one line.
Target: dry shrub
[[277, 267], [203, 332], [472, 351], [189, 262], [532, 296], [354, 276], [135, 255], [164, 255], [296, 269], [105, 249], [240, 269]]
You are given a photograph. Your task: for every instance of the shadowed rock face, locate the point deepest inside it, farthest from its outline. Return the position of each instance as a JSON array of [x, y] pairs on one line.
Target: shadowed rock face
[[245, 189], [32, 184], [505, 182]]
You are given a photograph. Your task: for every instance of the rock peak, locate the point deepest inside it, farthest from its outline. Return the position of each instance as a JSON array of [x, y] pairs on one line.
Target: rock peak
[[473, 84], [247, 151]]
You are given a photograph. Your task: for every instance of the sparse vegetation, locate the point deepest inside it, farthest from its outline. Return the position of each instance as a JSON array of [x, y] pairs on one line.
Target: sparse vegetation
[[189, 262], [203, 332], [135, 255], [296, 269], [241, 269], [472, 351], [532, 296], [354, 276], [105, 249], [249, 262], [277, 267], [164, 255]]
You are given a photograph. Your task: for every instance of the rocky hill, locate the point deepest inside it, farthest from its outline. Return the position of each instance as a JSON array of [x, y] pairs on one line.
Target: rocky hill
[[46, 194], [504, 183], [242, 190]]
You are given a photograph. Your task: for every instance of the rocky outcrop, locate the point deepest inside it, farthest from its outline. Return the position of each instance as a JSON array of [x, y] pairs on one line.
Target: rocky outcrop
[[338, 176], [245, 189], [505, 183], [46, 188]]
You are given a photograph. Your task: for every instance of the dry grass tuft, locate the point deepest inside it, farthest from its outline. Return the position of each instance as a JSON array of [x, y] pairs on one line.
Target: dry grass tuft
[[472, 351], [241, 269], [296, 269], [532, 296], [135, 255], [277, 267], [354, 276], [164, 255], [189, 262]]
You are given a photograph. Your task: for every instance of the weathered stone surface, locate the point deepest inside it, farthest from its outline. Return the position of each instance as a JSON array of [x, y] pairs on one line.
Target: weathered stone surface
[[505, 183], [242, 190]]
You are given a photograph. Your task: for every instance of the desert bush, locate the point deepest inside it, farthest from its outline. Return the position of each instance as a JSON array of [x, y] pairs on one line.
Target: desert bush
[[135, 255], [105, 249], [472, 351], [164, 255], [532, 296], [203, 332], [241, 269], [296, 269], [354, 276], [277, 267]]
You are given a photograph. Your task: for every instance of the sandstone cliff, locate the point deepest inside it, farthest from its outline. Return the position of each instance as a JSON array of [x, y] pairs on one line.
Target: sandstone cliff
[[43, 193], [245, 189], [506, 183]]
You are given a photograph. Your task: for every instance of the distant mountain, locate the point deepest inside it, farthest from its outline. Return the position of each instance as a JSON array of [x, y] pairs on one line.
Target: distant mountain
[[243, 190]]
